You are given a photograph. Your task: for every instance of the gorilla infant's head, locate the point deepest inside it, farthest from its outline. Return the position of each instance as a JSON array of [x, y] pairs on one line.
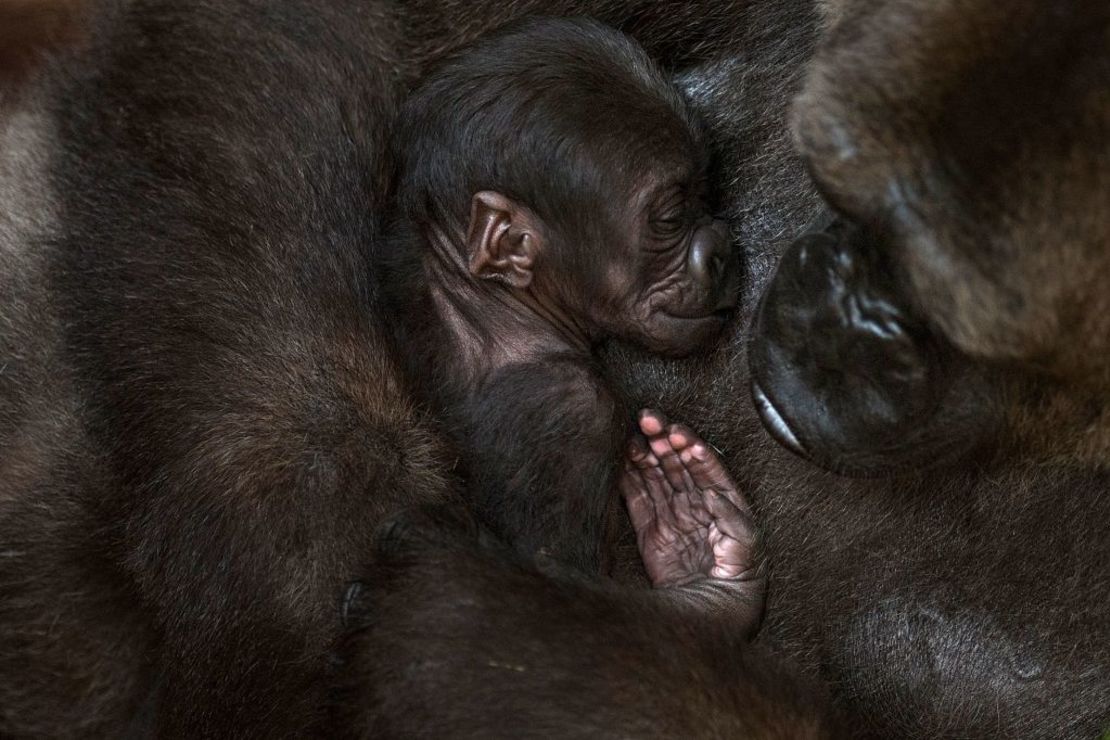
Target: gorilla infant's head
[[553, 161]]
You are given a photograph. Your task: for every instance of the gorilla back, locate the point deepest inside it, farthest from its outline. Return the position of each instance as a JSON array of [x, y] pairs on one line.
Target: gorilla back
[[200, 429]]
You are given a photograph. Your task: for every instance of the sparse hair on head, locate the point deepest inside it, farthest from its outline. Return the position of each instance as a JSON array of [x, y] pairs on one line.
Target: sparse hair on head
[[554, 114]]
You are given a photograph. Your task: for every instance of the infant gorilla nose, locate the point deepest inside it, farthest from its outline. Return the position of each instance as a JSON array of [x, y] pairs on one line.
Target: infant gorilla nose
[[713, 267], [712, 286], [561, 222]]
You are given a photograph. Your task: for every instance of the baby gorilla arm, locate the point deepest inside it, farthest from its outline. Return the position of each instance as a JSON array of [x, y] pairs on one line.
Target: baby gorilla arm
[[693, 528], [544, 442]]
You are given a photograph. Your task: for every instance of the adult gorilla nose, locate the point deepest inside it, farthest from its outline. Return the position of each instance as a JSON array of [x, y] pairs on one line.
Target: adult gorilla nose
[[840, 371], [712, 264]]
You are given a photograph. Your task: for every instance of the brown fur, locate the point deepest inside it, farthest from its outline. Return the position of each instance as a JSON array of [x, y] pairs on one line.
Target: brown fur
[[969, 144], [31, 29], [573, 657]]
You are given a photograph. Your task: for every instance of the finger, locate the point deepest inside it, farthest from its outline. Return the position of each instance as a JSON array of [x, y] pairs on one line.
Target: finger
[[641, 511], [709, 473], [729, 519], [671, 463], [639, 454], [652, 422]]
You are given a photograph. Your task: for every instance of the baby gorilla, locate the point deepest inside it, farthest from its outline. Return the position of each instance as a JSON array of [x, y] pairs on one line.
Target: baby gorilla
[[551, 196]]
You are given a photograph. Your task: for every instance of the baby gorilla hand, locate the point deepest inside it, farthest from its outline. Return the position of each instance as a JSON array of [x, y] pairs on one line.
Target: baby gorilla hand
[[694, 529]]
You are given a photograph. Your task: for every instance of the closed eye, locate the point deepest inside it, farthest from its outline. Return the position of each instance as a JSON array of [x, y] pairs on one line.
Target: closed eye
[[669, 215], [669, 227], [672, 220]]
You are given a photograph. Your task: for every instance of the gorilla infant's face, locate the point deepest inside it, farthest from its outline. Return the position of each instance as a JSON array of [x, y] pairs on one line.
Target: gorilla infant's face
[[674, 282], [962, 148]]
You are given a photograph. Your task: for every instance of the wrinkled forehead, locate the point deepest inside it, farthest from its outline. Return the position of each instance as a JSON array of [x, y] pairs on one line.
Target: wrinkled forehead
[[661, 179], [634, 173]]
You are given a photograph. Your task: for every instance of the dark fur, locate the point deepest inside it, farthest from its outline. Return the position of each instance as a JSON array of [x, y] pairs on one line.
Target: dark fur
[[245, 429], [178, 514], [926, 574], [433, 613], [30, 30], [201, 430]]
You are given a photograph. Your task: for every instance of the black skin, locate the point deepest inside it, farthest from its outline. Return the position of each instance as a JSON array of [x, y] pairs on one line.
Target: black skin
[[845, 375], [499, 301], [140, 593]]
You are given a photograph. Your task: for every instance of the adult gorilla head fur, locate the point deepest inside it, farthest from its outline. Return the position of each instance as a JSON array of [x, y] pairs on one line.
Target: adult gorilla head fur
[[967, 261]]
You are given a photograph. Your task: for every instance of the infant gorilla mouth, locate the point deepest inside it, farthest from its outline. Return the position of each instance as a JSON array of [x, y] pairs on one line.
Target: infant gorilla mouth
[[551, 195]]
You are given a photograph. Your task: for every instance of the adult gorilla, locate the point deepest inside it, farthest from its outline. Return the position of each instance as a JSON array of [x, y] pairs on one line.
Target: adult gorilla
[[199, 430]]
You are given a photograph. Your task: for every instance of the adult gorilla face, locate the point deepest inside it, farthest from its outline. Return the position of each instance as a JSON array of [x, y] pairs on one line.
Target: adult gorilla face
[[969, 177]]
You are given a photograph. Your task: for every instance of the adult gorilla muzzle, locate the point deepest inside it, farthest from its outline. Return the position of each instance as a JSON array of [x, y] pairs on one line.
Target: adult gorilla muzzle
[[842, 372]]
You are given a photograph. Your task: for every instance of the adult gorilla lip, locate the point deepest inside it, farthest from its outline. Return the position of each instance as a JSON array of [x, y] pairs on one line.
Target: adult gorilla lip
[[774, 421]]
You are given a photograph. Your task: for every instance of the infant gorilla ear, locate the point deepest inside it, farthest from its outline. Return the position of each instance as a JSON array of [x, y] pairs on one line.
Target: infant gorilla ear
[[576, 185]]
